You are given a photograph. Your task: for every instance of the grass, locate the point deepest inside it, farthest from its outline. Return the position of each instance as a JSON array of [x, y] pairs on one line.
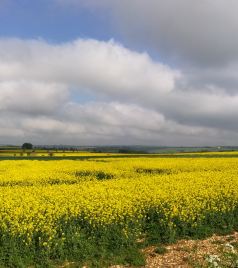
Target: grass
[[18, 154], [100, 249], [52, 158], [160, 250]]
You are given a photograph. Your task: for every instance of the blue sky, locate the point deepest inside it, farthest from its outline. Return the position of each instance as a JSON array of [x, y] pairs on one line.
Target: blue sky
[[119, 72], [53, 22]]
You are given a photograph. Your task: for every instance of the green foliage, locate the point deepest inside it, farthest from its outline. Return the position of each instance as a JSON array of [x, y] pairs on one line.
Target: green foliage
[[160, 250], [27, 146], [98, 248]]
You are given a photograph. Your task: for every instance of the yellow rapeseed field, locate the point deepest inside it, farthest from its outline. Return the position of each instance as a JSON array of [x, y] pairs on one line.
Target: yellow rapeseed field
[[39, 198]]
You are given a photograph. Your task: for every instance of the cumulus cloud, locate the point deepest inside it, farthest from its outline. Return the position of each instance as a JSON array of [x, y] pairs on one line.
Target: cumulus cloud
[[142, 101], [199, 37], [85, 64]]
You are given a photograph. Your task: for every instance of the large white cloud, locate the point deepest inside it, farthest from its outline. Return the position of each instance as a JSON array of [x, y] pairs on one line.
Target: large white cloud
[[88, 64], [142, 101]]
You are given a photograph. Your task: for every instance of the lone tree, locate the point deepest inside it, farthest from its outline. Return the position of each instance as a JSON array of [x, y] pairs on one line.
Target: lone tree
[[27, 145]]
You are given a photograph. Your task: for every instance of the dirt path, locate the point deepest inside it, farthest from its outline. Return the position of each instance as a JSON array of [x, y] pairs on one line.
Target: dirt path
[[221, 250]]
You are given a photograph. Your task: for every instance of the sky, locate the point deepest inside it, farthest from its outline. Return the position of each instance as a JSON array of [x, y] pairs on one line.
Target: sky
[[117, 72]]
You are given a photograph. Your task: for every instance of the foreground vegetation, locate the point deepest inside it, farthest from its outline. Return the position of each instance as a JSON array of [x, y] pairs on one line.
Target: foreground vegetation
[[102, 211]]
